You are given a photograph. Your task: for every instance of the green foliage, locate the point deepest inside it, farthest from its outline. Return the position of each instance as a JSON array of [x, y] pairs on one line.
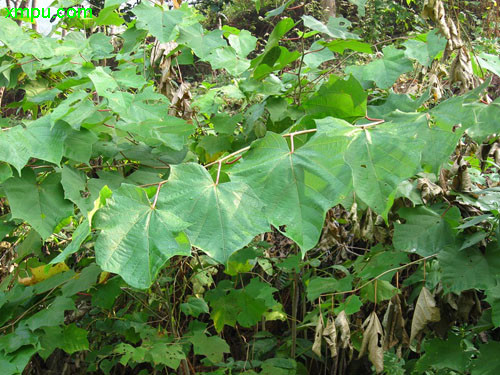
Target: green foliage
[[274, 173]]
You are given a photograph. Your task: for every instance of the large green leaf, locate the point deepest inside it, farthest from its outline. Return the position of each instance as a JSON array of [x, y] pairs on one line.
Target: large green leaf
[[385, 71], [14, 149], [339, 98], [298, 188], [487, 361], [202, 43], [336, 27], [53, 315], [224, 217], [169, 131], [39, 139], [137, 239], [381, 158], [161, 24], [213, 347], [469, 268], [74, 183], [243, 42], [41, 205], [424, 51], [426, 230], [226, 58]]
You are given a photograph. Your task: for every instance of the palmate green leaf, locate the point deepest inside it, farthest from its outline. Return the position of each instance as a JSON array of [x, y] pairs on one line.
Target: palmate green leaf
[[381, 158], [385, 71], [397, 102], [336, 27], [339, 45], [298, 188], [487, 361], [361, 6], [169, 131], [490, 62], [108, 16], [439, 141], [493, 298], [41, 205], [213, 347], [160, 23], [284, 26], [17, 40], [39, 139], [74, 183], [194, 306], [426, 230], [338, 98], [275, 59], [202, 43], [243, 42], [52, 315], [424, 51], [14, 363], [323, 285], [317, 55], [486, 121], [443, 354], [74, 339], [226, 58], [469, 268], [78, 145], [136, 239], [224, 217], [5, 172]]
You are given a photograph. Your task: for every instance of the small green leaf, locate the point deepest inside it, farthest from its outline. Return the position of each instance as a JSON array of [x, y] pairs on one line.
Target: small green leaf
[[74, 339], [41, 205], [194, 307]]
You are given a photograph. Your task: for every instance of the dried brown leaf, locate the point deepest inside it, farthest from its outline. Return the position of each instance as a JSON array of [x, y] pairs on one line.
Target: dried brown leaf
[[330, 336], [342, 325], [394, 324], [425, 312], [316, 348], [373, 338]]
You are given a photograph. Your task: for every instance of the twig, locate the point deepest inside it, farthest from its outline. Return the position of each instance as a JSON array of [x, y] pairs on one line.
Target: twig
[[228, 156], [379, 276]]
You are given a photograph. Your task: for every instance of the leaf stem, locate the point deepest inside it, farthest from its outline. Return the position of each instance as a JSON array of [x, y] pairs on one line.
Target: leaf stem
[[160, 184], [218, 173]]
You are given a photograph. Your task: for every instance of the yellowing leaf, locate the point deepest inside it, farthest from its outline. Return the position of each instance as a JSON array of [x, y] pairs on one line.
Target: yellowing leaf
[[373, 338], [103, 277], [425, 312], [40, 273]]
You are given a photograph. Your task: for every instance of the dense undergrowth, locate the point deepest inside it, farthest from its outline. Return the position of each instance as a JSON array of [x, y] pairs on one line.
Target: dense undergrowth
[[304, 200]]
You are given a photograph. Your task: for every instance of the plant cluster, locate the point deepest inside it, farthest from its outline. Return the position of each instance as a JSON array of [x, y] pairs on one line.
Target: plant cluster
[[291, 216]]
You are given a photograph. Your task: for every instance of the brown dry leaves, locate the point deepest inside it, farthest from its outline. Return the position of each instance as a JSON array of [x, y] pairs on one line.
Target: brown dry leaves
[[336, 334], [425, 312], [373, 337]]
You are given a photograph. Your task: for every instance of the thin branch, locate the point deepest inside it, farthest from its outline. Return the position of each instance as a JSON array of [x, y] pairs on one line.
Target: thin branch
[[228, 156], [379, 276]]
